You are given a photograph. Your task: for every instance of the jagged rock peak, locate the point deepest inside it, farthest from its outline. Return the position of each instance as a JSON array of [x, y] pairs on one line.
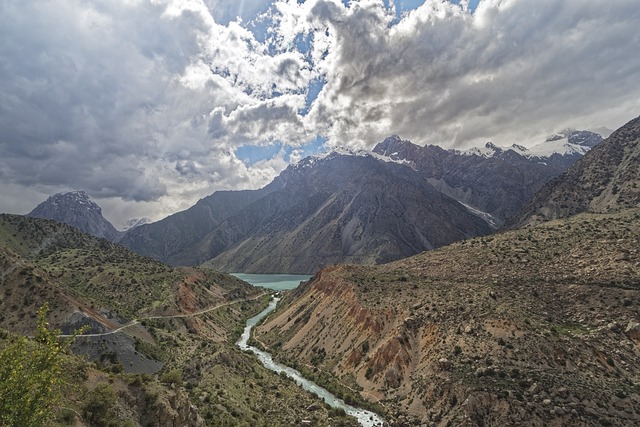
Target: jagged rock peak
[[77, 199], [389, 144], [585, 138], [76, 208], [568, 143], [379, 153]]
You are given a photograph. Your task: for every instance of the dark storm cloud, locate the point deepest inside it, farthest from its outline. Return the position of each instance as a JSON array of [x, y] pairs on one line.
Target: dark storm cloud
[[80, 87]]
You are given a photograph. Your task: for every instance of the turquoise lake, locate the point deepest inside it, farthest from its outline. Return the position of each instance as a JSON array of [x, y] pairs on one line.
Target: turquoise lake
[[278, 282]]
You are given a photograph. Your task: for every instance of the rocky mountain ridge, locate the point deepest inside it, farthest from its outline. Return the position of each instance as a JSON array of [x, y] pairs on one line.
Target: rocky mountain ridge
[[323, 210], [346, 208], [76, 208], [565, 144], [606, 179], [493, 180], [172, 239]]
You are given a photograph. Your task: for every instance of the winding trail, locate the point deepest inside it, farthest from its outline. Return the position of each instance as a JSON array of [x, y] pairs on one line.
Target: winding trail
[[171, 316]]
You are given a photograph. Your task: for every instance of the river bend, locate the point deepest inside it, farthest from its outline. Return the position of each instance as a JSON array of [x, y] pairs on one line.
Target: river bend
[[364, 417]]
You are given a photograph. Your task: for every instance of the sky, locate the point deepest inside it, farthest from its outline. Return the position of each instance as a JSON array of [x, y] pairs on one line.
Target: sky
[[150, 105]]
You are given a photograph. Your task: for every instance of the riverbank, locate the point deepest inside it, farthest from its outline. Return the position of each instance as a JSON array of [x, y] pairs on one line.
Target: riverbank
[[364, 417]]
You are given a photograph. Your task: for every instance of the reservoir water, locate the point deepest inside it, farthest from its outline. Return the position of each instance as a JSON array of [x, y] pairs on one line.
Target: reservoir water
[[278, 282], [364, 417]]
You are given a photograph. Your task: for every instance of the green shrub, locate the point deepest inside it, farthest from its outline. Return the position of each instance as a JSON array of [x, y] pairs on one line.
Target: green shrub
[[99, 405], [30, 376], [173, 376]]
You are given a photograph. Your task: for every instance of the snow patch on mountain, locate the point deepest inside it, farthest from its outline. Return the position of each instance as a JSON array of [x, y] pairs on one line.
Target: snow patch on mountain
[[565, 143], [310, 161], [487, 217], [134, 223]]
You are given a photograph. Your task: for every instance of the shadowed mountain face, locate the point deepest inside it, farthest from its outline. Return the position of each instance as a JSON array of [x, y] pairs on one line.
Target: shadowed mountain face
[[606, 179], [77, 210], [172, 240], [341, 208], [493, 180]]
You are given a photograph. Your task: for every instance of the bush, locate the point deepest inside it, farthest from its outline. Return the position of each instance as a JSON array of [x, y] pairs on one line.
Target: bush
[[173, 376], [30, 376], [99, 405]]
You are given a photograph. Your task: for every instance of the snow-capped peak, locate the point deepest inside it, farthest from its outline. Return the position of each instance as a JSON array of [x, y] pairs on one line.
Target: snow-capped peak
[[343, 151], [564, 143], [489, 150], [134, 223]]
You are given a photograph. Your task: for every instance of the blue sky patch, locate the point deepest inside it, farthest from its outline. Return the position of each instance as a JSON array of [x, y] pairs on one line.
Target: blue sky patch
[[251, 154], [314, 89]]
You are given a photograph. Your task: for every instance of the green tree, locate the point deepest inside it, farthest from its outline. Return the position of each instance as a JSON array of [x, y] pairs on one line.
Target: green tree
[[30, 376]]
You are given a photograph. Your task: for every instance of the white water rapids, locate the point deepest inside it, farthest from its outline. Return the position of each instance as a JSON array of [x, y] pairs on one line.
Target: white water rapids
[[364, 417]]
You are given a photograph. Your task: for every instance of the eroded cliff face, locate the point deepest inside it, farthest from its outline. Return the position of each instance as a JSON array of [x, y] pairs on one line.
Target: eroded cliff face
[[535, 326]]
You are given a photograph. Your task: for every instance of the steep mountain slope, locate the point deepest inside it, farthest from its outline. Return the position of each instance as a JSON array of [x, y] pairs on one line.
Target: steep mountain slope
[[607, 178], [172, 239], [493, 180], [80, 275], [537, 326], [340, 208], [187, 322], [76, 209]]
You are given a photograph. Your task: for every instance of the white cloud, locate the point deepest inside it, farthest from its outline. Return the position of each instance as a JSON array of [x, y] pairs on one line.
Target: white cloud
[[511, 72], [142, 103]]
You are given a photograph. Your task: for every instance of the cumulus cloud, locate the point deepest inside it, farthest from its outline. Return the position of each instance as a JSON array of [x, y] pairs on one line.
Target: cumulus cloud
[[143, 103], [511, 71]]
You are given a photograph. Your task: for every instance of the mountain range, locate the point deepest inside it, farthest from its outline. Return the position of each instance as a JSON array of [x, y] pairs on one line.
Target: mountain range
[[536, 325], [321, 211], [358, 207], [493, 180]]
